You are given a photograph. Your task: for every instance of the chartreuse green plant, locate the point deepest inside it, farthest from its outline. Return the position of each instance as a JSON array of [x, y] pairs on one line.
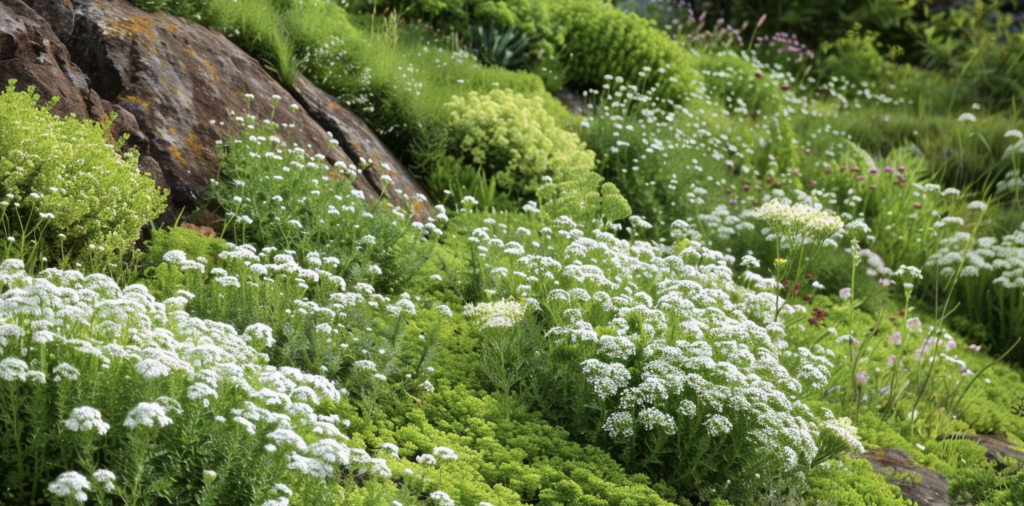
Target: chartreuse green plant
[[601, 40], [66, 193], [515, 141], [852, 482]]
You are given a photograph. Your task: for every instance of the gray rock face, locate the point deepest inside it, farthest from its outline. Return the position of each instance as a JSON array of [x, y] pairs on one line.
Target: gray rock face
[[183, 83], [176, 87], [60, 14], [32, 54]]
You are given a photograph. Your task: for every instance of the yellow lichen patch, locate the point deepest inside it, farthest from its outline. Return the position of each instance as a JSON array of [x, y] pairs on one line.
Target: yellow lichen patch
[[174, 131], [177, 154], [332, 105], [190, 51], [172, 28], [196, 146], [135, 100], [131, 27], [213, 71]]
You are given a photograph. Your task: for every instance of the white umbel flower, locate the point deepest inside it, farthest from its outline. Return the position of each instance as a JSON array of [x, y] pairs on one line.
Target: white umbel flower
[[70, 484], [147, 414], [84, 419]]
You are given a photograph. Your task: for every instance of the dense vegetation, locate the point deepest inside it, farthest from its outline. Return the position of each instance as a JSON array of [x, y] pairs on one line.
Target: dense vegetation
[[732, 264]]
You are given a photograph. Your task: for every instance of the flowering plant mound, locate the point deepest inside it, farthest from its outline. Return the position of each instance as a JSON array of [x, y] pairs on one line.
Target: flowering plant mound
[[108, 393], [659, 356], [281, 197]]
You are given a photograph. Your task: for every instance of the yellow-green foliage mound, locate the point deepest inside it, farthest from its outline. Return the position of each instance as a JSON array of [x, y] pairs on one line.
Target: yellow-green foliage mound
[[64, 189], [603, 41], [514, 139]]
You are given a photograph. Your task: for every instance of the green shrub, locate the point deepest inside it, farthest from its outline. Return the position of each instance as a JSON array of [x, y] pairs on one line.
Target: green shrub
[[603, 41], [858, 57], [515, 140], [66, 191]]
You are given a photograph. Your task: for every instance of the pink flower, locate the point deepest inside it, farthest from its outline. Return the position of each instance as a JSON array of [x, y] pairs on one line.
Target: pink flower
[[895, 339], [844, 293], [914, 324], [862, 378], [974, 347], [892, 360], [950, 344]]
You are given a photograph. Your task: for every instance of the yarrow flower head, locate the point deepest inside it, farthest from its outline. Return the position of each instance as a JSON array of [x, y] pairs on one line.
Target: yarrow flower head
[[846, 431], [504, 313], [104, 479], [147, 414], [442, 498], [84, 419], [799, 221], [70, 484]]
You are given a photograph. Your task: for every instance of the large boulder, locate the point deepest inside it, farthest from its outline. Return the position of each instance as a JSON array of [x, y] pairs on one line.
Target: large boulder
[[176, 87], [60, 14], [184, 84]]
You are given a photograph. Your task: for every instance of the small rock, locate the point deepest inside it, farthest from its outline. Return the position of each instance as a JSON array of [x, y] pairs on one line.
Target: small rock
[[932, 490]]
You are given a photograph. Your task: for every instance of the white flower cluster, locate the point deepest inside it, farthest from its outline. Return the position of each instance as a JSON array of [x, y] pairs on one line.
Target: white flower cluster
[[707, 350], [127, 340], [1001, 259], [845, 430], [500, 314], [799, 221]]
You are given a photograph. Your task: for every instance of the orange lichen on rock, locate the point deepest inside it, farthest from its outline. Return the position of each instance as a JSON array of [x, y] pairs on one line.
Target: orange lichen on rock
[[177, 154], [202, 230], [131, 27], [213, 71], [135, 100], [196, 146]]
